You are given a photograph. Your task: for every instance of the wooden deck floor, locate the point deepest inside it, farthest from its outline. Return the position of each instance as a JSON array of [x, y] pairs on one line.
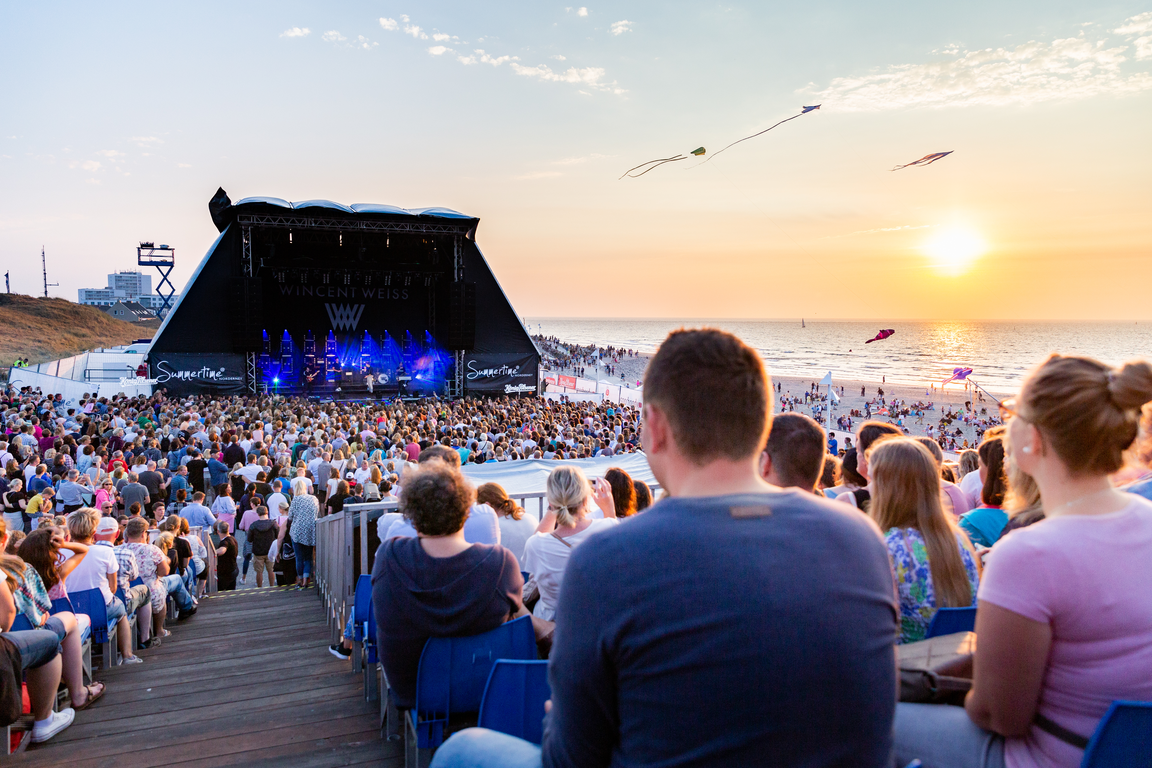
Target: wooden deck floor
[[247, 681]]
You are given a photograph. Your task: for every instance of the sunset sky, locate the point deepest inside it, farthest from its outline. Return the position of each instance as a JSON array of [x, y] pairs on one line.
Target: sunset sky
[[118, 122]]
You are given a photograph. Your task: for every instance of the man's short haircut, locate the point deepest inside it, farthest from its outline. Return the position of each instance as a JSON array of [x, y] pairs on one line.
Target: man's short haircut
[[444, 454], [135, 528], [796, 446], [714, 391], [198, 497], [82, 523], [262, 511]]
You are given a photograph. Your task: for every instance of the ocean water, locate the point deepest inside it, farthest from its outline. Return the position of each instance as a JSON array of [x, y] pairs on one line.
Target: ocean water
[[1000, 353]]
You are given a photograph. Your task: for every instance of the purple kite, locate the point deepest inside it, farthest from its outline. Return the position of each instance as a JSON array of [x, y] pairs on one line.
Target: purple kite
[[958, 374], [926, 160], [881, 335]]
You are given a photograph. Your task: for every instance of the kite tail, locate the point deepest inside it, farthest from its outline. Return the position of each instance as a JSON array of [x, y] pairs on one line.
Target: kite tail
[[654, 164], [750, 137]]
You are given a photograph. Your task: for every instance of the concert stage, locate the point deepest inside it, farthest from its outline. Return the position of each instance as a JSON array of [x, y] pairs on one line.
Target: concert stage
[[318, 299]]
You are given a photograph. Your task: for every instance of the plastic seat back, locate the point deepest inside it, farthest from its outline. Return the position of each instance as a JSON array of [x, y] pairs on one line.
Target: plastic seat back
[[20, 623], [361, 608], [514, 699], [454, 670], [948, 621], [91, 603], [62, 604], [1123, 737]]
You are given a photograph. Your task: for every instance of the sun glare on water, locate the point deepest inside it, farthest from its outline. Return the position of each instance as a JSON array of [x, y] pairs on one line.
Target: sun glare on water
[[954, 250]]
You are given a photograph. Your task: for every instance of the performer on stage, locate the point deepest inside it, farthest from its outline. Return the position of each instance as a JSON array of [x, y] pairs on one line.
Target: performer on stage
[[369, 380], [309, 377]]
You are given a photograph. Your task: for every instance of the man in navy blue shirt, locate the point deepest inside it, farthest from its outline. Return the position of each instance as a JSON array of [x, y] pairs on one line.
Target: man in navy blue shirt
[[733, 623]]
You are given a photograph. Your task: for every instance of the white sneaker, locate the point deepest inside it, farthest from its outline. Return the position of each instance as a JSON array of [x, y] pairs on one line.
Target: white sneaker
[[44, 730]]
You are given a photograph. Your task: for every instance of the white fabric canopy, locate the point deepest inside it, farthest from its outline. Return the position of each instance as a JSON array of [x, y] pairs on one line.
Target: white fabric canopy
[[531, 475]]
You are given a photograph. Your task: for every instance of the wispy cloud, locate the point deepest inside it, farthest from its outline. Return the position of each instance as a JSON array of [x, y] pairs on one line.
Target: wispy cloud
[[580, 160], [589, 77], [1070, 68], [903, 228], [1139, 27], [296, 32], [558, 57], [620, 27], [332, 36], [112, 154], [361, 42], [538, 175], [146, 141]]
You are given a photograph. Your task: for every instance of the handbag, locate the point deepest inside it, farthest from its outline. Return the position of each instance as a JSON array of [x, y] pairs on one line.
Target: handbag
[[936, 670]]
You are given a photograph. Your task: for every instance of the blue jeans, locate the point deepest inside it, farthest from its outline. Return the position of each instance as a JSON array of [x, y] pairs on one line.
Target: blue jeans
[[944, 737], [175, 586], [482, 748], [349, 635], [37, 646], [115, 610], [303, 560]]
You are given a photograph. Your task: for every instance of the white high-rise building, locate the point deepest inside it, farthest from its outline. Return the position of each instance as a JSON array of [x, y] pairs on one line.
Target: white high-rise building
[[124, 286]]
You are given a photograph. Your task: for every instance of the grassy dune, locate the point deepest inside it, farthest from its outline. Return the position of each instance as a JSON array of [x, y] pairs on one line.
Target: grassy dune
[[49, 329]]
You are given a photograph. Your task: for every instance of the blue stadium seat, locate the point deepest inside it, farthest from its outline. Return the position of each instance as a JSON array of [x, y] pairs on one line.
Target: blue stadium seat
[[452, 675], [948, 621], [91, 603], [1123, 739], [514, 699]]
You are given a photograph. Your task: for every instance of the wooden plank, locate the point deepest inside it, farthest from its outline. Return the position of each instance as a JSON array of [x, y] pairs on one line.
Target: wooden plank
[[246, 681]]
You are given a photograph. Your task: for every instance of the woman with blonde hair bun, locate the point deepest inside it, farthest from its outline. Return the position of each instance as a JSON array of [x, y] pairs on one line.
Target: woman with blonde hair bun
[[1064, 613], [565, 526]]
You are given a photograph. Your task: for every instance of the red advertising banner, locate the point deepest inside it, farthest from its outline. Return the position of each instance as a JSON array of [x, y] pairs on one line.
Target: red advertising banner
[[567, 381]]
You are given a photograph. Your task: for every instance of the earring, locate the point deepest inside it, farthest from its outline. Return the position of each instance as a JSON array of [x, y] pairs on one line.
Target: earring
[[1027, 449]]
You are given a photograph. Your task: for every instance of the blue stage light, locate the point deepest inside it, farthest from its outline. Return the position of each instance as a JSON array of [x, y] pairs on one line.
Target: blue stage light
[[276, 380]]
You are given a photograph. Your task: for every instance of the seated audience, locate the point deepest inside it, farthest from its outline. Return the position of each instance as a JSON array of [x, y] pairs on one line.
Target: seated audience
[[566, 525], [1063, 632], [98, 569], [482, 525], [955, 501], [32, 600], [829, 476], [671, 650], [437, 584], [869, 432], [932, 560], [985, 523]]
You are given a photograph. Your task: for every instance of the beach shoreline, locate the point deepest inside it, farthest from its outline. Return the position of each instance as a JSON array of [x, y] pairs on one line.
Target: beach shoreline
[[952, 396]]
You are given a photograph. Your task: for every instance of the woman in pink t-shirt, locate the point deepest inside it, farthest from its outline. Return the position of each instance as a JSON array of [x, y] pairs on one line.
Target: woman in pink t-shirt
[[1064, 615]]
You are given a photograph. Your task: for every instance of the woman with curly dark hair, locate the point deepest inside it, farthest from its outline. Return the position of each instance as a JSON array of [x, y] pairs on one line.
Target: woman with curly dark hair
[[437, 584]]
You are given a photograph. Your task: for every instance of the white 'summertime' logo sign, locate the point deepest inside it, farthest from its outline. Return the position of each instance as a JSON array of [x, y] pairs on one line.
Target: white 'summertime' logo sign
[[344, 317]]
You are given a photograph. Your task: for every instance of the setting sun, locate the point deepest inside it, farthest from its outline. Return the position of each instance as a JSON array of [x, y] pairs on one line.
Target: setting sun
[[954, 250]]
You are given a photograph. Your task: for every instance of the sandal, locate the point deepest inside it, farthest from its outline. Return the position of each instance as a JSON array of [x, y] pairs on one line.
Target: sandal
[[92, 697], [164, 633]]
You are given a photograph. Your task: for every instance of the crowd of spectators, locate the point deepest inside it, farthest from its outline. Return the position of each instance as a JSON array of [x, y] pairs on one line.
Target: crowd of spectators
[[749, 614]]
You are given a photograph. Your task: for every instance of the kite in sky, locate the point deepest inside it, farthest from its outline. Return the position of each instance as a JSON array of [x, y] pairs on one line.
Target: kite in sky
[[803, 111], [881, 335], [659, 162], [651, 164], [958, 374], [926, 160]]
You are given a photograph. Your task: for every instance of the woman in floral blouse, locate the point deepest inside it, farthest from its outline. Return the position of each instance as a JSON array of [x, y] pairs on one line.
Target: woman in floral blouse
[[933, 562]]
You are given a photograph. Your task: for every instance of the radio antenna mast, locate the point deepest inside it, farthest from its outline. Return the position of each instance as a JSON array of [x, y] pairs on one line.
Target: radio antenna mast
[[44, 266]]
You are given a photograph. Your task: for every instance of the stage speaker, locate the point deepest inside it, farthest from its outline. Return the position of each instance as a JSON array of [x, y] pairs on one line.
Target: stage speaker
[[461, 316], [247, 314]]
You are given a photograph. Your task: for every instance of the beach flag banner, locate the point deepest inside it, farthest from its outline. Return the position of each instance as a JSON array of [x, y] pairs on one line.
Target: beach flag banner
[[827, 380]]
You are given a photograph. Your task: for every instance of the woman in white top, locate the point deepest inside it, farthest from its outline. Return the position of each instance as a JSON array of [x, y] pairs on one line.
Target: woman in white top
[[565, 526], [516, 525]]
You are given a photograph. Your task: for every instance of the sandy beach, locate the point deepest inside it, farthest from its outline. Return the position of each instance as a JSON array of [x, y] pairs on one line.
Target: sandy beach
[[953, 395]]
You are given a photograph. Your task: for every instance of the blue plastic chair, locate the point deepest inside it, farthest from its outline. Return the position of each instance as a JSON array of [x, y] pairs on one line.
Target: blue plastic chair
[[20, 623], [514, 699], [948, 621], [1123, 739], [371, 656], [362, 603], [453, 672]]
